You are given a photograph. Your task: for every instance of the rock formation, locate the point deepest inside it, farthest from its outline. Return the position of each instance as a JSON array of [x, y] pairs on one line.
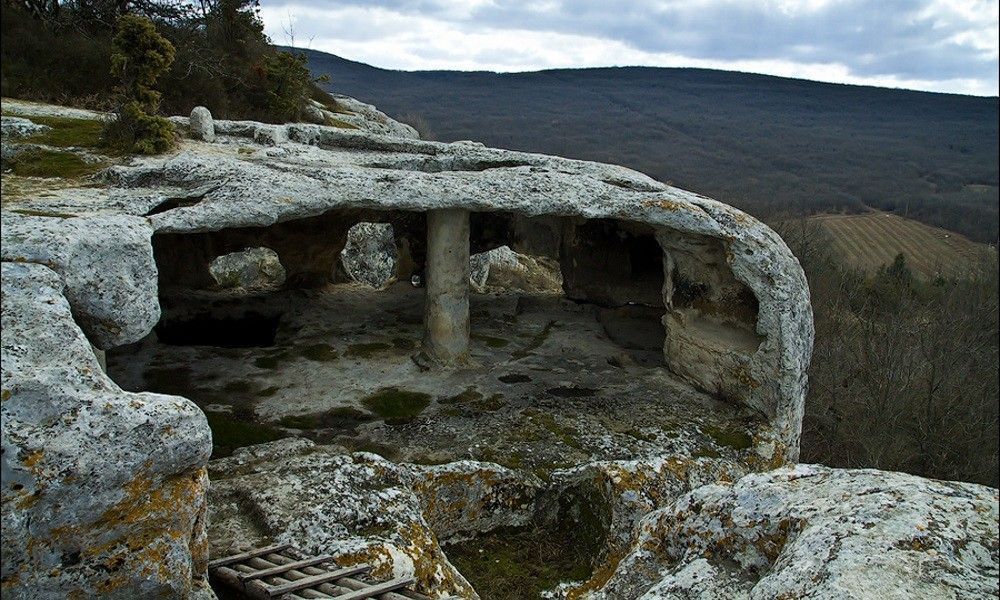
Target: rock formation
[[105, 491]]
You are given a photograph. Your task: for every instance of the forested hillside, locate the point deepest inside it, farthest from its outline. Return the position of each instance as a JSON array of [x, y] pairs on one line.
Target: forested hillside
[[765, 144]]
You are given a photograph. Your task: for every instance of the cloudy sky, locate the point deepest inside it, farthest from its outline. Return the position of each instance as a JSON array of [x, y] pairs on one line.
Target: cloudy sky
[[937, 45]]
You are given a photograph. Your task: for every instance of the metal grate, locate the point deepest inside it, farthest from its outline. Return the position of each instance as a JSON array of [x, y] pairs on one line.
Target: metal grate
[[282, 571]]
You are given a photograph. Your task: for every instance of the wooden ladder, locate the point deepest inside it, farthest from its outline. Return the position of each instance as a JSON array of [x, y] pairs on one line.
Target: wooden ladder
[[282, 571]]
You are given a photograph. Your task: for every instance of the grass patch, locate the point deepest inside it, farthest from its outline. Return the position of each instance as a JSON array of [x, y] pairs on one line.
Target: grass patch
[[397, 406], [230, 433], [39, 162], [318, 352], [66, 132], [366, 350]]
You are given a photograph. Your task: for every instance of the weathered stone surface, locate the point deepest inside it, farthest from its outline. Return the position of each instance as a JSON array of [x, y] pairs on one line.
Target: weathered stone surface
[[814, 532], [201, 124], [19, 127], [359, 508], [106, 263], [370, 255], [503, 269], [368, 118], [321, 169], [251, 269], [103, 491]]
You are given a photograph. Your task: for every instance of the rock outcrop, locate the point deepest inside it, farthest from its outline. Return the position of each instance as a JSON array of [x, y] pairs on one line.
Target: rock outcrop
[[361, 508], [103, 491], [250, 269], [814, 532], [734, 297], [201, 125]]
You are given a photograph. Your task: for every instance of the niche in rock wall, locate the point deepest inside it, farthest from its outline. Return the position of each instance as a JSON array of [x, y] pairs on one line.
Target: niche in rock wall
[[711, 321], [307, 249], [611, 263]]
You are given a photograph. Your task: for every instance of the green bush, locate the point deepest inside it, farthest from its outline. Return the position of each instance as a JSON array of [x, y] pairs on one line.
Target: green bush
[[139, 56]]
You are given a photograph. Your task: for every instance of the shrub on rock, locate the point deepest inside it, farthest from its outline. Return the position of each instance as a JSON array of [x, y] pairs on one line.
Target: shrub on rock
[[139, 56]]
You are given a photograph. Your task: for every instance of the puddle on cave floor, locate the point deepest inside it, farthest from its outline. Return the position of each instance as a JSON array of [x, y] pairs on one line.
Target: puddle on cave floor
[[553, 384]]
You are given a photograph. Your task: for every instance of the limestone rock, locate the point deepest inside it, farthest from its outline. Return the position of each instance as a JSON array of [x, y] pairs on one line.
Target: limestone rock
[[503, 269], [250, 269], [760, 362], [19, 127], [107, 265], [359, 508], [368, 118], [312, 113], [103, 490], [201, 124], [815, 532], [370, 255]]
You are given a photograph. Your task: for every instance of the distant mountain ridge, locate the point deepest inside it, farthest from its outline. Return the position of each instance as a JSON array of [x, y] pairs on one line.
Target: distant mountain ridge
[[766, 144]]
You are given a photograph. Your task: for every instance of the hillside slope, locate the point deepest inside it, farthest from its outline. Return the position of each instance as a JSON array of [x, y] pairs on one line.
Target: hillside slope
[[766, 144], [872, 240]]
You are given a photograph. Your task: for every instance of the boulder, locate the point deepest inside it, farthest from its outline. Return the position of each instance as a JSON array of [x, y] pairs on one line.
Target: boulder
[[369, 255], [250, 269], [103, 491], [106, 262], [814, 532], [201, 124], [505, 270]]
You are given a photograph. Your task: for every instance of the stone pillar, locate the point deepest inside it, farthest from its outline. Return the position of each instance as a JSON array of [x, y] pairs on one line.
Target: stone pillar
[[446, 307]]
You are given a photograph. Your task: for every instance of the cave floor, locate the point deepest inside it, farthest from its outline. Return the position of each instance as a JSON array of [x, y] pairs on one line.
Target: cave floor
[[549, 386]]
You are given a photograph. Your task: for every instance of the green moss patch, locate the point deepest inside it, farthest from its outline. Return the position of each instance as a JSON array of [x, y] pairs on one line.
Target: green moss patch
[[571, 392], [491, 341], [470, 394], [367, 350], [342, 417], [318, 352], [730, 437], [537, 340], [230, 432], [397, 406], [271, 361], [39, 162], [494, 402], [514, 378], [404, 343], [518, 564]]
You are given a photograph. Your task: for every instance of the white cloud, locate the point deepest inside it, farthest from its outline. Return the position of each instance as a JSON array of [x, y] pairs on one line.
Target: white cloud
[[943, 45]]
